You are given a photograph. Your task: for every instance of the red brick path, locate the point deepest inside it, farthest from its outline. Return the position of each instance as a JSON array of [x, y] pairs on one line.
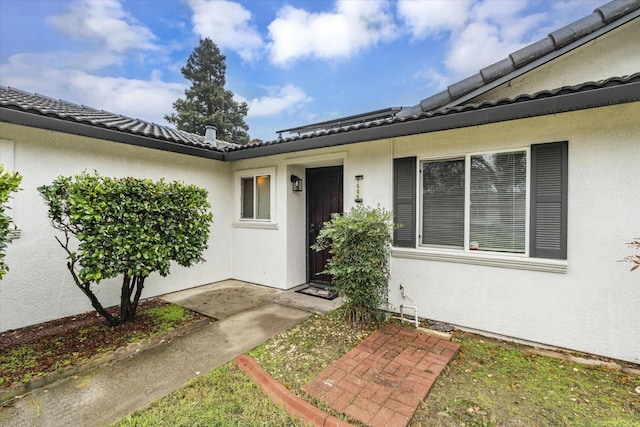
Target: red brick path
[[383, 379]]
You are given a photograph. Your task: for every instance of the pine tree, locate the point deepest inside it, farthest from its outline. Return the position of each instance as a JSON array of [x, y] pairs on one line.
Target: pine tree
[[207, 101]]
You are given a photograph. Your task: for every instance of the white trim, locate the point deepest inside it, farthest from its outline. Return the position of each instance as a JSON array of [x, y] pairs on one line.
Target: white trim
[[265, 225], [477, 258], [298, 160]]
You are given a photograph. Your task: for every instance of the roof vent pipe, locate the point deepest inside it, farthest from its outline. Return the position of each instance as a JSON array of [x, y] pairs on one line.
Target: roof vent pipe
[[210, 135]]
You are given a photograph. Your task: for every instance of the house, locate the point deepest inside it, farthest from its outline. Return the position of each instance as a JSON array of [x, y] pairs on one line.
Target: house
[[516, 189]]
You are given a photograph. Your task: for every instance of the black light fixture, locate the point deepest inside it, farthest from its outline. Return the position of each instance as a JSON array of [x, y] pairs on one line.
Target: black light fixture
[[296, 183]]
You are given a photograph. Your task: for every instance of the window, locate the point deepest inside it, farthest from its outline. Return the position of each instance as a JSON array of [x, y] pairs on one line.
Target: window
[[443, 203], [479, 202], [498, 204], [255, 190], [256, 197]]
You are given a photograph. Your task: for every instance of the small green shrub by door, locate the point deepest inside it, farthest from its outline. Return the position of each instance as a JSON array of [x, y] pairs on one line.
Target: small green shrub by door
[[360, 244]]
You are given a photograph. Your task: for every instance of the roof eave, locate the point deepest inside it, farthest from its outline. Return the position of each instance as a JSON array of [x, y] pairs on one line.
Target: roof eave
[[65, 126], [543, 60], [601, 97]]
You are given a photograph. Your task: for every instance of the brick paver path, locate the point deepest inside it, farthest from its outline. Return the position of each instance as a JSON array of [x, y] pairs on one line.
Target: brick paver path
[[383, 379]]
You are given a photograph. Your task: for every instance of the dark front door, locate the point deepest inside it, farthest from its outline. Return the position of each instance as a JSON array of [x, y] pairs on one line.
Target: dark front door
[[324, 197]]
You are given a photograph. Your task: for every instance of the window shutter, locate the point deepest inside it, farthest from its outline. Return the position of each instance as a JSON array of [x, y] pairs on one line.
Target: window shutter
[[549, 168], [404, 202]]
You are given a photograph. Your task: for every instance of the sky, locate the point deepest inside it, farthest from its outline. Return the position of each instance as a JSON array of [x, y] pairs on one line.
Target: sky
[[293, 62]]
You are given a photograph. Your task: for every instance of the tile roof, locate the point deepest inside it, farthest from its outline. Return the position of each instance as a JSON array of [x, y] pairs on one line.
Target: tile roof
[[611, 14], [630, 84], [44, 106]]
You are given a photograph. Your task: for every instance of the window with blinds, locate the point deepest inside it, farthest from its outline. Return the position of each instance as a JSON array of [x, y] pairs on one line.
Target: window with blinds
[[498, 202], [443, 203], [496, 215], [478, 202]]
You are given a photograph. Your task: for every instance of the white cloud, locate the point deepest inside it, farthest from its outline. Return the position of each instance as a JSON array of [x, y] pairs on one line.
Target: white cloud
[[427, 18], [227, 24], [148, 100], [105, 22], [144, 99], [32, 65], [279, 99], [478, 45], [435, 78], [352, 26], [480, 33]]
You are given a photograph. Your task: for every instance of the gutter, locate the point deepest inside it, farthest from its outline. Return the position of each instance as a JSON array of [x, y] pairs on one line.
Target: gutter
[[55, 124]]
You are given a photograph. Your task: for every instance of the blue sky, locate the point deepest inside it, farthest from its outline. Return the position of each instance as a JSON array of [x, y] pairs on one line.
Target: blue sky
[[293, 62]]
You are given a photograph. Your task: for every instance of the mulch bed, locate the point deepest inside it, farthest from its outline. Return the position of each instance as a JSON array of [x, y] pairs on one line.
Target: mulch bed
[[72, 340]]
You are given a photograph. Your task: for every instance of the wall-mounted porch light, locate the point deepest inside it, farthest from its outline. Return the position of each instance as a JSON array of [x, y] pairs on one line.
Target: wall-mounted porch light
[[296, 183]]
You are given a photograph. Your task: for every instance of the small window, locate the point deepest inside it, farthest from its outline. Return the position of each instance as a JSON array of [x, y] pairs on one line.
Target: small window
[[255, 195]]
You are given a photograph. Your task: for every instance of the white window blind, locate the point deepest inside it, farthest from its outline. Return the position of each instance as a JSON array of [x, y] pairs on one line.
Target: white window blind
[[443, 203], [498, 202]]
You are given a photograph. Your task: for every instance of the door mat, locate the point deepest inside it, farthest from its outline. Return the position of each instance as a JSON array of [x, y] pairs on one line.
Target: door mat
[[319, 292]]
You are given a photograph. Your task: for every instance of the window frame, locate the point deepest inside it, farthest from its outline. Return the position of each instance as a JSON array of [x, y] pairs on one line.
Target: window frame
[[467, 202], [254, 222]]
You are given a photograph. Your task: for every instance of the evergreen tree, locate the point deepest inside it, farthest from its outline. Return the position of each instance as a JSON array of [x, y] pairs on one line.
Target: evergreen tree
[[207, 101]]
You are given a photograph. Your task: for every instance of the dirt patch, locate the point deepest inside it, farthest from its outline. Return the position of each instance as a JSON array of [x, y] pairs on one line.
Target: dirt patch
[[34, 351]]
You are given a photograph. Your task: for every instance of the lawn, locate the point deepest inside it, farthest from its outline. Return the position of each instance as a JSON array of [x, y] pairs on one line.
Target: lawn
[[486, 384]]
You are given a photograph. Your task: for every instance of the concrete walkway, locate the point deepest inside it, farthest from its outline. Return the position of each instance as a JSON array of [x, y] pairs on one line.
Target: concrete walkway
[[103, 395]]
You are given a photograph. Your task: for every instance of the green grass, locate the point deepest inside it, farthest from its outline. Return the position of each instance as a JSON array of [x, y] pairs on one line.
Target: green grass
[[485, 385], [490, 385], [223, 397]]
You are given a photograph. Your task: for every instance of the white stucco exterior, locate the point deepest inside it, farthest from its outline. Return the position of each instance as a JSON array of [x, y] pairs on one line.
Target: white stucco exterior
[[38, 286], [591, 307]]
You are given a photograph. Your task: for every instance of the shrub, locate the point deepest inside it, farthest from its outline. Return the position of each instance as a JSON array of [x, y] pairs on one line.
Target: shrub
[[360, 243], [126, 226], [9, 182], [635, 258]]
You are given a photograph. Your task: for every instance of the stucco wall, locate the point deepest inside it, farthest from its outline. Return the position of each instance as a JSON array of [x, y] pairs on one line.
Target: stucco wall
[[593, 307], [38, 286], [614, 54]]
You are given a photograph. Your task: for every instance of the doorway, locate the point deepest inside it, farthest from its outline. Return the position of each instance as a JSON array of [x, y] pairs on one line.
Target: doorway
[[324, 197]]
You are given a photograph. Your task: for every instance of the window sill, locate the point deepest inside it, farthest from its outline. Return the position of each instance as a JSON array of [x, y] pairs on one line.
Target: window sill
[[256, 224], [492, 260]]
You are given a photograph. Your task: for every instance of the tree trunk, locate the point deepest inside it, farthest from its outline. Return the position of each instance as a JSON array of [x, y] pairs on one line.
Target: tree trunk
[[128, 306], [86, 289]]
